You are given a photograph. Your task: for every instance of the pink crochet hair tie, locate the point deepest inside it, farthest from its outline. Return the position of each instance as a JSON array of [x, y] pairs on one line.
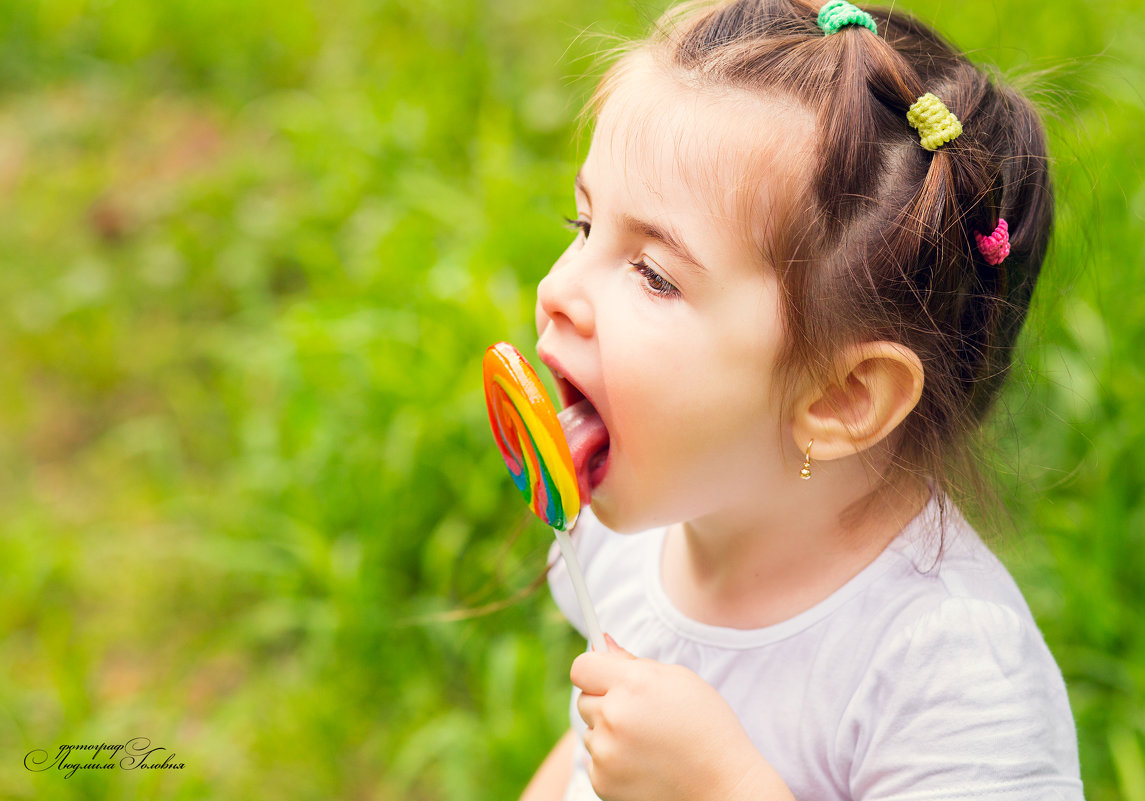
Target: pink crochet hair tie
[[996, 247]]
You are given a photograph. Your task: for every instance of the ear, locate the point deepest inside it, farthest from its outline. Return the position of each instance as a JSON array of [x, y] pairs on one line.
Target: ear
[[877, 386]]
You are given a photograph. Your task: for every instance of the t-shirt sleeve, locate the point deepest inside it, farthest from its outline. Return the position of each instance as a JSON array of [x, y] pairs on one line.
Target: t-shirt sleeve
[[965, 703]]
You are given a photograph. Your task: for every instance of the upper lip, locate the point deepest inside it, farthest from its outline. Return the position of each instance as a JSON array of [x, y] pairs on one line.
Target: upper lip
[[570, 390]]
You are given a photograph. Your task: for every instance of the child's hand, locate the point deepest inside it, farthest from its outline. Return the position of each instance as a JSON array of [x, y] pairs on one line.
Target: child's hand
[[660, 731]]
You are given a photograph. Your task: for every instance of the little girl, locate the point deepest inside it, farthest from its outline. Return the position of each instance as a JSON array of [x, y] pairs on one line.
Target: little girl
[[806, 242]]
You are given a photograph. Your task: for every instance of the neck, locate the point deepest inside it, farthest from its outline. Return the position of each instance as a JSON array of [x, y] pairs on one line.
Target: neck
[[744, 568]]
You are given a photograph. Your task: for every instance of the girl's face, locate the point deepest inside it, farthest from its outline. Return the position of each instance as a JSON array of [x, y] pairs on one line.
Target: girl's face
[[663, 310]]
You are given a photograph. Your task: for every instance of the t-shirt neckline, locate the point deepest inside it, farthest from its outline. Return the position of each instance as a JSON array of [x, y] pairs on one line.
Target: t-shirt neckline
[[904, 545]]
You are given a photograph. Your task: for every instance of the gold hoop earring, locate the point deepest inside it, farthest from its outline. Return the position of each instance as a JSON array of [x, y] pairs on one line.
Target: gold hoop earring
[[805, 473]]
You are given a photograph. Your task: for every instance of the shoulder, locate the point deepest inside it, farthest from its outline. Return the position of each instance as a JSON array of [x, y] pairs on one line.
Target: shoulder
[[961, 692], [943, 593], [967, 651]]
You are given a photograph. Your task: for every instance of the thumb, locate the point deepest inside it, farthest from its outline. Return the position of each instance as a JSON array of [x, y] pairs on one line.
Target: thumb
[[614, 648]]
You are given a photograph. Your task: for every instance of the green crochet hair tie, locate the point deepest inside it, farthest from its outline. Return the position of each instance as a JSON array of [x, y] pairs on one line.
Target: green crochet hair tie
[[838, 14], [935, 123]]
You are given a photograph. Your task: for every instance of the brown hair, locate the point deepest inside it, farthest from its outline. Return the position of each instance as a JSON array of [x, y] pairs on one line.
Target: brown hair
[[889, 252]]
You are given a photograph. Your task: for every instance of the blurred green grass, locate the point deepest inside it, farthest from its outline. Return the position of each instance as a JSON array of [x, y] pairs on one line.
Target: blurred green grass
[[252, 254]]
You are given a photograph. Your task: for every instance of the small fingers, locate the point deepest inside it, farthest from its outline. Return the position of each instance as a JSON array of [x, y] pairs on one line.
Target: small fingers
[[589, 708], [595, 672], [599, 765]]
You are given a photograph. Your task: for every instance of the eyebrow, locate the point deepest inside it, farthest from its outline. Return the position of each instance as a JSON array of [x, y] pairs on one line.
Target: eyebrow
[[665, 236]]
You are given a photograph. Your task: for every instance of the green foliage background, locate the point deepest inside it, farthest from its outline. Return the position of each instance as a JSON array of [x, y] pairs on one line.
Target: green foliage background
[[250, 255]]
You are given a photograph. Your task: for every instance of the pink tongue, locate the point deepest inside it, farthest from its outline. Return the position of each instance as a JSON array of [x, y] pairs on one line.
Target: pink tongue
[[587, 436]]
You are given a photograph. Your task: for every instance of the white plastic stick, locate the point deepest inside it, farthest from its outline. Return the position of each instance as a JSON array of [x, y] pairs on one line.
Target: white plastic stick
[[594, 634]]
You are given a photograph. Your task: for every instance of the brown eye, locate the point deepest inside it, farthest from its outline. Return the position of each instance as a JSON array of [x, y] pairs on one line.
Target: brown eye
[[656, 283]]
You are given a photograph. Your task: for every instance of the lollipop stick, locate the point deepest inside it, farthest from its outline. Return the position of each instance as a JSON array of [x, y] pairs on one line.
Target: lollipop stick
[[594, 634]]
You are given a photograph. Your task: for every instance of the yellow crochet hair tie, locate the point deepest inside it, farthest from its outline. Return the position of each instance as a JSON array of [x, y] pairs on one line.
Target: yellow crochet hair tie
[[936, 125]]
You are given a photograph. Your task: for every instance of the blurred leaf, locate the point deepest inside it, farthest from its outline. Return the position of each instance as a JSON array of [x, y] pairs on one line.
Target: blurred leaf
[[1129, 760]]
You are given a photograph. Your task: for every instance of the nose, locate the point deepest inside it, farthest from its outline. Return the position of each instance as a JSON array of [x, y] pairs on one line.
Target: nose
[[562, 298]]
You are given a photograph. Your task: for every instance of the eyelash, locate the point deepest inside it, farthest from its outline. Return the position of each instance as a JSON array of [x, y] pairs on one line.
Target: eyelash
[[656, 283], [581, 226]]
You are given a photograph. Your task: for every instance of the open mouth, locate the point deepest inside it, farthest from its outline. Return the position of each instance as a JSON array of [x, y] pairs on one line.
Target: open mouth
[[587, 436]]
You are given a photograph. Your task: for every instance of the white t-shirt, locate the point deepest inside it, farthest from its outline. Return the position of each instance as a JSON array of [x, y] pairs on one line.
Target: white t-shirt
[[912, 681]]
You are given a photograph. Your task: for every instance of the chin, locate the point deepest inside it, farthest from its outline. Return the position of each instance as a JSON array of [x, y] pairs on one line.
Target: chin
[[605, 512], [620, 520]]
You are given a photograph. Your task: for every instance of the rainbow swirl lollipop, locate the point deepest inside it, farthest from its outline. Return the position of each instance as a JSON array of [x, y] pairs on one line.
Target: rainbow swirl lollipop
[[536, 452], [529, 437]]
